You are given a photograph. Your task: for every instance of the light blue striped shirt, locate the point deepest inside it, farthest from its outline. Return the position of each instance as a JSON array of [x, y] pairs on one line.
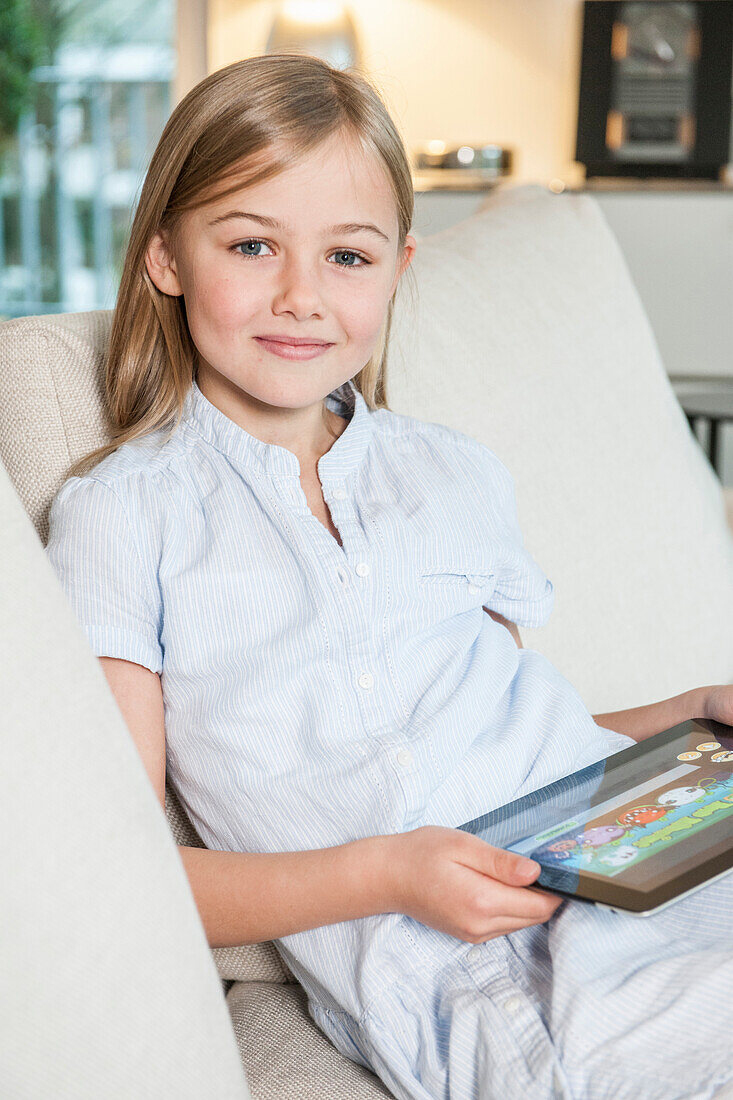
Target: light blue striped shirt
[[315, 694]]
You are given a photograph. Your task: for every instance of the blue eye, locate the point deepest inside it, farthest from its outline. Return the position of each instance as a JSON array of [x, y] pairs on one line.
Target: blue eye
[[254, 241], [349, 252], [245, 244]]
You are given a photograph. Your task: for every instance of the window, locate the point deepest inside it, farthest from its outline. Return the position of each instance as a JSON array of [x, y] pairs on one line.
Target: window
[[71, 173]]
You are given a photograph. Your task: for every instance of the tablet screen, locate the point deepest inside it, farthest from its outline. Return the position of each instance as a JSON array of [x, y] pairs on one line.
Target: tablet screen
[[635, 830]]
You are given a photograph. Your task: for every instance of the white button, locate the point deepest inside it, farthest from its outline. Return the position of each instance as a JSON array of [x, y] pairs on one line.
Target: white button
[[366, 680], [475, 953], [339, 494], [405, 757], [363, 569], [513, 1004], [474, 589]]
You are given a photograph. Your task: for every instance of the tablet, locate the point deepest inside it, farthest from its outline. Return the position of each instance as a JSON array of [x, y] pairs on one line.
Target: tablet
[[634, 832]]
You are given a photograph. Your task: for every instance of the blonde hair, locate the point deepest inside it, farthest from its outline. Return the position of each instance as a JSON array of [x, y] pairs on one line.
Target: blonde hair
[[241, 125]]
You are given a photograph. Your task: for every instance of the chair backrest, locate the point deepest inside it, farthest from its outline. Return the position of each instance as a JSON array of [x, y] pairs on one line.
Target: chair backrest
[[530, 336], [51, 413]]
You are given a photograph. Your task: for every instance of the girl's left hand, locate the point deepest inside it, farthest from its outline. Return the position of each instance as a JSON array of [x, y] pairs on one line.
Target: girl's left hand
[[719, 703]]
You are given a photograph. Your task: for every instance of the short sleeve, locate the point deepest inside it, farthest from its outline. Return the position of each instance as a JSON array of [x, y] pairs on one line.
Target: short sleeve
[[522, 594], [96, 557]]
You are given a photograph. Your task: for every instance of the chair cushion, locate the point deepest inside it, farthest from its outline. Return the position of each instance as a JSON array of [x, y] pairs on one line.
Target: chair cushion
[[284, 1052], [529, 335]]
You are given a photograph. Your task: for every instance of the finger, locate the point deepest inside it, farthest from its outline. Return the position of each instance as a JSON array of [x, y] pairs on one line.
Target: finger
[[547, 894], [518, 901], [508, 867], [509, 926]]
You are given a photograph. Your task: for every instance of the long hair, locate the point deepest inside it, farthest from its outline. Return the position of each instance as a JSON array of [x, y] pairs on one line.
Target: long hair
[[241, 125]]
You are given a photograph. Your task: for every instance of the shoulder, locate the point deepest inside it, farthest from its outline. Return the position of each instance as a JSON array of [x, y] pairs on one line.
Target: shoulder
[[132, 468], [127, 489], [436, 442], [148, 457]]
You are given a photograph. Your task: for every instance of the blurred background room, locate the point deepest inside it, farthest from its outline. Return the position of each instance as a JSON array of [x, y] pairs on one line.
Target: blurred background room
[[629, 101]]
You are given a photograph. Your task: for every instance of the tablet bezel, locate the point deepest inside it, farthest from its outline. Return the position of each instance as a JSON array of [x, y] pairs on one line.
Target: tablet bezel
[[610, 893]]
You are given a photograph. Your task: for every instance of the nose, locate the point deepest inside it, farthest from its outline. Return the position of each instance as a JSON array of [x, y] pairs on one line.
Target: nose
[[298, 290]]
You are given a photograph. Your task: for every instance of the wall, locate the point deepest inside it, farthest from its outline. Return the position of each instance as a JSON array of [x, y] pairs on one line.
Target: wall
[[518, 62]]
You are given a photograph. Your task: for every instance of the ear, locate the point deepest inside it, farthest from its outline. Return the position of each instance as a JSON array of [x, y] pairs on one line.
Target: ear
[[161, 265], [405, 261]]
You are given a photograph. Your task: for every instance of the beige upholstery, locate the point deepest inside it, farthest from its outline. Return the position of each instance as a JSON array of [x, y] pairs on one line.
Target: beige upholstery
[[108, 986], [276, 1035], [529, 335]]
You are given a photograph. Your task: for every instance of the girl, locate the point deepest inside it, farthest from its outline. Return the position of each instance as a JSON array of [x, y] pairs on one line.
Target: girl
[[307, 608]]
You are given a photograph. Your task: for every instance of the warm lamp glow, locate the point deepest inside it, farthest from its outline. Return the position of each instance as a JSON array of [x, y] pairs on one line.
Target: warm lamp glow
[[312, 11], [317, 27]]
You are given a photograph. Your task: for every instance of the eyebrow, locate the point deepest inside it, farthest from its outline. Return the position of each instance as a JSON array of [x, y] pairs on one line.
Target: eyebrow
[[272, 223]]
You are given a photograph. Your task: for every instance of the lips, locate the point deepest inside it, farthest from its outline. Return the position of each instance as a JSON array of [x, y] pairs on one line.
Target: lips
[[287, 350], [295, 341]]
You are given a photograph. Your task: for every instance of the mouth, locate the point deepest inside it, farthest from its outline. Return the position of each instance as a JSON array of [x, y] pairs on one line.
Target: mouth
[[302, 348]]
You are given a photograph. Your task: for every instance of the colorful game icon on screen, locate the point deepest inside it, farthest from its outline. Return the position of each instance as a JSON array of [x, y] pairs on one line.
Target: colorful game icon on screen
[[600, 834], [617, 857], [680, 796], [548, 854], [641, 815], [562, 845]]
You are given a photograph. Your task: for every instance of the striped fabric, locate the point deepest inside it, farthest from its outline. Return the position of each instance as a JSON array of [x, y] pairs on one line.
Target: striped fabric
[[315, 694]]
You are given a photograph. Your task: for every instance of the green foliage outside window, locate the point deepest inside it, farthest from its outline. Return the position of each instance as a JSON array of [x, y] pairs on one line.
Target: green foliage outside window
[[28, 34]]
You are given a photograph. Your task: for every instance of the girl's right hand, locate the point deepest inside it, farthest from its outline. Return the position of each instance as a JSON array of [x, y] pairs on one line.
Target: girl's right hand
[[459, 884]]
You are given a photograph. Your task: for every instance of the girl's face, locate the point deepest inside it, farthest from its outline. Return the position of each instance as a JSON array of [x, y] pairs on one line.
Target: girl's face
[[315, 257]]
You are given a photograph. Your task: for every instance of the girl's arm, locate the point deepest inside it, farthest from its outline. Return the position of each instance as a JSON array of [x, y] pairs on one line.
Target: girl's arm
[[511, 627], [715, 701], [248, 897]]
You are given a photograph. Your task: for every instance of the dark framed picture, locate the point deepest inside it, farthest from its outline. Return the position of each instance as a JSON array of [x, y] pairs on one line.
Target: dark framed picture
[[655, 88]]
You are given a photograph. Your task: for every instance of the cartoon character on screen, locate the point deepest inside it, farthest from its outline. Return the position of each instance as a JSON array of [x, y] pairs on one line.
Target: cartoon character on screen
[[557, 851], [640, 816], [599, 835], [681, 796], [619, 856]]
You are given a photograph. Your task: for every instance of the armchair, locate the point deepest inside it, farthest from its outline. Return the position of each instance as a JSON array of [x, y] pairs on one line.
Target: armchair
[[527, 333]]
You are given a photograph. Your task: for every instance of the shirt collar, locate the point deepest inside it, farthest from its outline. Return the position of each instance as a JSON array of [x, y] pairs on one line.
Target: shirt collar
[[272, 460]]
